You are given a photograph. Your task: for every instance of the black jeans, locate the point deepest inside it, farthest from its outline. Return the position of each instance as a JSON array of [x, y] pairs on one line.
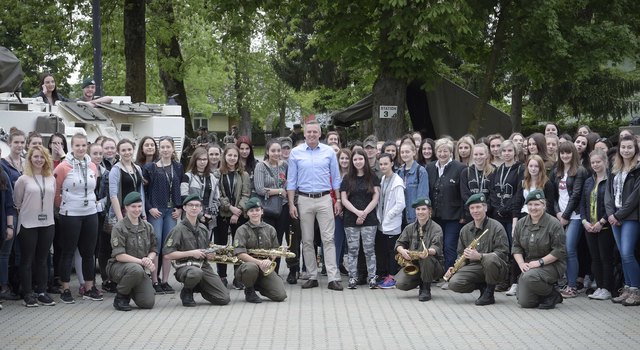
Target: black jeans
[[601, 249], [104, 252], [78, 232], [221, 232], [34, 249], [281, 224]]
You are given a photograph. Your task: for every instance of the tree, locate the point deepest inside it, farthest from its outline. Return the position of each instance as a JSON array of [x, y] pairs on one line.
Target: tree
[[135, 49]]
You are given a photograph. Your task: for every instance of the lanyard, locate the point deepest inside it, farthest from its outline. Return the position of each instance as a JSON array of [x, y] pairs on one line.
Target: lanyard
[[503, 179], [42, 191], [480, 181], [133, 175], [84, 170], [169, 179]]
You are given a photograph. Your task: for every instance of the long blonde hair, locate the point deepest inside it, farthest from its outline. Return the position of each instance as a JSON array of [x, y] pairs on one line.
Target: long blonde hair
[[542, 174], [487, 168], [47, 168]]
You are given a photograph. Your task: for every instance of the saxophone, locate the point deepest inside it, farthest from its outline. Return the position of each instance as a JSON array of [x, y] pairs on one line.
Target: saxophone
[[223, 255], [407, 265], [461, 260], [281, 252]]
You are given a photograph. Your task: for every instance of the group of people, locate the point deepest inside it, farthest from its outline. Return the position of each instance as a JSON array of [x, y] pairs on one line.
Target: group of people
[[514, 215]]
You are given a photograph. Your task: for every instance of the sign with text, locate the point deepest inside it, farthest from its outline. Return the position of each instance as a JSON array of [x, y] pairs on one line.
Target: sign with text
[[388, 112]]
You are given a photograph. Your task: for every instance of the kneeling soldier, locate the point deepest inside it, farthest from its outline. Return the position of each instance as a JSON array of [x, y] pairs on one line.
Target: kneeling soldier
[[423, 236], [133, 250], [487, 262], [255, 234], [185, 245]]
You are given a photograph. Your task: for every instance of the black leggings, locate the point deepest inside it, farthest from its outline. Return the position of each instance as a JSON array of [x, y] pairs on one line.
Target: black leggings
[[601, 247], [34, 248], [78, 232], [385, 254]]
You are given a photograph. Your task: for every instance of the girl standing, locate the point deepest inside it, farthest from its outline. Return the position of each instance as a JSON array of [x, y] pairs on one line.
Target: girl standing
[[416, 181]]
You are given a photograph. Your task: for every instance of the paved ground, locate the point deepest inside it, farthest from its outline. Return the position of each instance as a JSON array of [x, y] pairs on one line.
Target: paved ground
[[323, 319]]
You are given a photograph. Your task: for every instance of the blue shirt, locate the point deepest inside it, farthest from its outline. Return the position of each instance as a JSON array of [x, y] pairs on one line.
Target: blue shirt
[[313, 170]]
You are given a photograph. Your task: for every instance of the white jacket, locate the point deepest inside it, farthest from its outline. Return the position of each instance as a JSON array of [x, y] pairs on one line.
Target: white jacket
[[390, 211]]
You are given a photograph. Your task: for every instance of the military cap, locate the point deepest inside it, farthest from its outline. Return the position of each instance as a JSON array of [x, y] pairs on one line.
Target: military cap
[[253, 202], [476, 198], [421, 201], [285, 141], [191, 197], [534, 195], [132, 197]]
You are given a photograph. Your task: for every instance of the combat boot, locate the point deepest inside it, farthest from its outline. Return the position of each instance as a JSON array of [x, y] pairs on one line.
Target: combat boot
[[551, 300], [487, 298], [425, 292], [250, 296], [186, 295], [121, 302]]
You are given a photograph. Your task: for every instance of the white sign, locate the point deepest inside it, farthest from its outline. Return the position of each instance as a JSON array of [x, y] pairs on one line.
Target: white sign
[[388, 111]]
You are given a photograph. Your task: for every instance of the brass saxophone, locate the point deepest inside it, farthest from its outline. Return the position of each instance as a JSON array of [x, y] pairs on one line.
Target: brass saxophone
[[461, 260], [281, 252], [223, 255], [407, 265]]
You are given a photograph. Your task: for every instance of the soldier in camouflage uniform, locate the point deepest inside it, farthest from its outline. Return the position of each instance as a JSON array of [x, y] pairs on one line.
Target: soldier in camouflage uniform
[[133, 250], [539, 250], [423, 233], [487, 262], [255, 234], [185, 245]]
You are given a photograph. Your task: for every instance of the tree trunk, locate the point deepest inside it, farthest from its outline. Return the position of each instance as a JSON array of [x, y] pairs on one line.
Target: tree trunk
[[241, 86], [486, 89], [170, 61], [134, 50], [516, 107], [389, 91]]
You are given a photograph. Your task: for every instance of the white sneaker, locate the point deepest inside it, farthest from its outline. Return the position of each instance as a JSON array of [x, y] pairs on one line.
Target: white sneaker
[[513, 290], [595, 294], [604, 295], [445, 286]]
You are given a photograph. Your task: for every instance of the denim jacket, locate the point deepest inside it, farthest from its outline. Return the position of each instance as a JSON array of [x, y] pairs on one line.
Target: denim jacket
[[416, 182]]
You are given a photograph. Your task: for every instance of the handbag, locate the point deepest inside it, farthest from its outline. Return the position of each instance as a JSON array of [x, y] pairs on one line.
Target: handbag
[[272, 206]]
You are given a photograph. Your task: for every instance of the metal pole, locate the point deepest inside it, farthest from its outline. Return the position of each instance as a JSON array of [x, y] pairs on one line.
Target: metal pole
[[97, 47]]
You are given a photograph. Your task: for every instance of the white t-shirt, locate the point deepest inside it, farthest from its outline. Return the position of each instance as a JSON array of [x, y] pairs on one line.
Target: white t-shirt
[[563, 197]]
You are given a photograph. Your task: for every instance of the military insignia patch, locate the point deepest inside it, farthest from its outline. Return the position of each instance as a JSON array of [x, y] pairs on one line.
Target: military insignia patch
[[169, 242], [114, 242]]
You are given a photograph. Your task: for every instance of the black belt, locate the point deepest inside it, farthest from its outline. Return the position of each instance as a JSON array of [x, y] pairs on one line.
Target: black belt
[[314, 194]]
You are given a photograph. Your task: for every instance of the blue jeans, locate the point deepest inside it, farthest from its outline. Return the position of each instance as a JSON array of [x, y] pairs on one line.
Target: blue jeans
[[162, 226], [450, 235], [573, 233], [626, 238], [508, 226]]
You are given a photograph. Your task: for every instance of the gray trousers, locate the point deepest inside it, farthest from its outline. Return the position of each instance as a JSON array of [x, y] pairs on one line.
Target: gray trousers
[[368, 234], [270, 286], [491, 270], [430, 269], [134, 282], [535, 284], [204, 281]]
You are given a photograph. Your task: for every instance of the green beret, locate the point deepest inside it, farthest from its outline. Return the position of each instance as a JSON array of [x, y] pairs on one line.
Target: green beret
[[253, 202], [88, 81], [534, 195], [421, 201], [132, 197], [191, 197], [476, 198]]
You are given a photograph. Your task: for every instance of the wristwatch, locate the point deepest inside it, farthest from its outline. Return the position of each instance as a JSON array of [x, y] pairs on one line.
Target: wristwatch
[[541, 262]]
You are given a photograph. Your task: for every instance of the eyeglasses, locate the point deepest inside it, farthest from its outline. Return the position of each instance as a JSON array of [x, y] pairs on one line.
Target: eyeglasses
[[194, 205]]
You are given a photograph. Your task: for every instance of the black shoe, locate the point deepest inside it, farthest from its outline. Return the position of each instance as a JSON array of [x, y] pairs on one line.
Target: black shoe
[[186, 295], [66, 297], [487, 298], [425, 292], [293, 277], [323, 272], [310, 284], [109, 287], [166, 288], [335, 285], [7, 294], [45, 299], [343, 271], [550, 301], [121, 302], [237, 284], [224, 281], [251, 296], [30, 300], [158, 288]]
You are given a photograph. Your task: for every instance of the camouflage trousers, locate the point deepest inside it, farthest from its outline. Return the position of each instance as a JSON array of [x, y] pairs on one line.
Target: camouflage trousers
[[368, 234]]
